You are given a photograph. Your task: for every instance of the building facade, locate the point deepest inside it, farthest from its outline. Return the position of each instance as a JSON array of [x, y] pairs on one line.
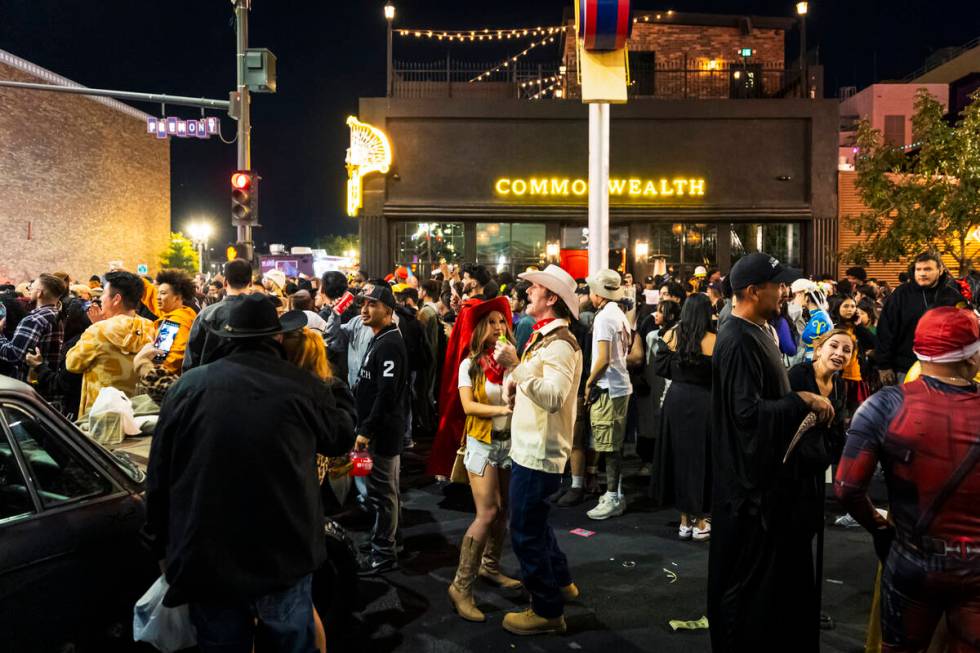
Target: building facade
[[81, 180], [697, 177]]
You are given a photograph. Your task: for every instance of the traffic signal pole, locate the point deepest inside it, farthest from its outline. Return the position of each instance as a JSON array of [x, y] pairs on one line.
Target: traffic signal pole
[[244, 118]]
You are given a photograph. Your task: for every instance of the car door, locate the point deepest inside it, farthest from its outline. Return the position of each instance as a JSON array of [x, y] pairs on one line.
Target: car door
[[69, 522]]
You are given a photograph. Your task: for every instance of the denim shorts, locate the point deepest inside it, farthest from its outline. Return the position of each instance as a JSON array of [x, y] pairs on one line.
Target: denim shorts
[[479, 454]]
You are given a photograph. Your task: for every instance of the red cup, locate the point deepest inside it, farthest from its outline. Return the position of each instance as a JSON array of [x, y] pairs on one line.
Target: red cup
[[362, 464]]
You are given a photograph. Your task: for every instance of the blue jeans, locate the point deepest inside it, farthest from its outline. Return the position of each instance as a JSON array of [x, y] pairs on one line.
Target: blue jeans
[[280, 622], [544, 568]]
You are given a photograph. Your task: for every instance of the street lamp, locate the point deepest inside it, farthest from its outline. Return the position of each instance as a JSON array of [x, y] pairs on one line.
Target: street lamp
[[199, 233], [801, 11], [390, 17]]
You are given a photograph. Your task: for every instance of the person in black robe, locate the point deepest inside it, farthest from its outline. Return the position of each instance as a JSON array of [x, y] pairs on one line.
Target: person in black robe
[[760, 569]]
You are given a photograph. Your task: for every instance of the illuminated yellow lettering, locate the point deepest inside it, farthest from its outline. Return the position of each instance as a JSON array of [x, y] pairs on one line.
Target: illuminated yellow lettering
[[579, 187], [696, 187], [559, 187], [664, 190], [650, 189], [539, 186], [617, 186], [519, 187], [635, 187], [679, 185], [503, 186]]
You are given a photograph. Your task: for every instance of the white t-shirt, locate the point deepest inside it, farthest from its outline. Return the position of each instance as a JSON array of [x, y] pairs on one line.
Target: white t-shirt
[[495, 394], [612, 326]]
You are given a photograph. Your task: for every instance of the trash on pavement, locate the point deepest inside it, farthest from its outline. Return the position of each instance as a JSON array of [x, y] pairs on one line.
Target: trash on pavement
[[835, 581], [672, 575], [700, 624], [629, 564], [581, 532]]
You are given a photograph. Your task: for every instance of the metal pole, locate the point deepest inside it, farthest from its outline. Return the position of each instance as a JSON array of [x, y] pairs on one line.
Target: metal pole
[[391, 73], [803, 72], [156, 98], [598, 186], [244, 120]]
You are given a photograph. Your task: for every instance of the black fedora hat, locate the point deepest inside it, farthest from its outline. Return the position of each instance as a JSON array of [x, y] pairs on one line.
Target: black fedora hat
[[254, 316]]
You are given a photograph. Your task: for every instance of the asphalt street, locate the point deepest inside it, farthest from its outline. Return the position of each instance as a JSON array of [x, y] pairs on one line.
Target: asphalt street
[[634, 573]]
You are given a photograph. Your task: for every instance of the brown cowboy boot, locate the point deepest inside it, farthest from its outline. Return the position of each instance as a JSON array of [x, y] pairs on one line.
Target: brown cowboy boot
[[461, 589], [490, 567]]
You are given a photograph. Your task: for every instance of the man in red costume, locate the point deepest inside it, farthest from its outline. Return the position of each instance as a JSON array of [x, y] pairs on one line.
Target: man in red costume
[[926, 435], [451, 415]]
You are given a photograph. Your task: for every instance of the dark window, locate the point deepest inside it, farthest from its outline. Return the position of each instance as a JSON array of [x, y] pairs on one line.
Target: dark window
[[15, 500], [59, 472], [642, 73], [746, 81], [895, 130]]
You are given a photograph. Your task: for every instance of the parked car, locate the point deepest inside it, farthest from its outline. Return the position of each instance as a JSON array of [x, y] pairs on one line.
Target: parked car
[[72, 562]]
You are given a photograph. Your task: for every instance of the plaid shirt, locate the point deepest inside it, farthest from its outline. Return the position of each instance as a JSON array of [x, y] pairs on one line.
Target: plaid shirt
[[40, 328]]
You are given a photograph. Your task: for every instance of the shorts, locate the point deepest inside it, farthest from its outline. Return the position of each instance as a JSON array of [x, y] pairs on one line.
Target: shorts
[[608, 417], [581, 434], [480, 454]]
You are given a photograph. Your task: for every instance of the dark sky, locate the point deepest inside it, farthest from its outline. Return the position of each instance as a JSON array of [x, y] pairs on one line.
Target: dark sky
[[330, 53]]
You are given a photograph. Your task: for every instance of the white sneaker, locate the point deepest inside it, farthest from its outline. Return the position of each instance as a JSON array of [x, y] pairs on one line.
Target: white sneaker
[[646, 470], [684, 532], [702, 535], [608, 507]]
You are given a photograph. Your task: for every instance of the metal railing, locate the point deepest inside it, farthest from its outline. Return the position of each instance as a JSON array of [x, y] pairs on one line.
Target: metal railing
[[676, 78], [938, 61]]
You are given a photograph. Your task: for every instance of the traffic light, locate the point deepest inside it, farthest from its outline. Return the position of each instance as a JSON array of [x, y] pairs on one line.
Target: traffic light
[[245, 198], [237, 250]]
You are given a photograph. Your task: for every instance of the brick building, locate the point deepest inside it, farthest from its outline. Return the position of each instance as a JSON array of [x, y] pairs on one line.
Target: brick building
[[82, 182]]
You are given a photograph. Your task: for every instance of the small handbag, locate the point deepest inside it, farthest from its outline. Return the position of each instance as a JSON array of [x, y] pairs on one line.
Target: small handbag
[[459, 473]]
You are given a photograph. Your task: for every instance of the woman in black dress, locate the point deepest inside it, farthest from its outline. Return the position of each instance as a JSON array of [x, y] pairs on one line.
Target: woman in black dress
[[683, 461]]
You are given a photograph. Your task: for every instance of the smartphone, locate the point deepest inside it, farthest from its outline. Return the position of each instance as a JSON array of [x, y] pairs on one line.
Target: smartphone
[[86, 306], [166, 335], [3, 311]]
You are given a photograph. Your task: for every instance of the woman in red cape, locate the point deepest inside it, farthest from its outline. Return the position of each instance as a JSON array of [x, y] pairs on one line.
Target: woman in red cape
[[451, 416]]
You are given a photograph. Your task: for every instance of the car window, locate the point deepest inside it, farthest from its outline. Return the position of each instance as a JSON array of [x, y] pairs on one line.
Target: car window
[[15, 500], [59, 472]]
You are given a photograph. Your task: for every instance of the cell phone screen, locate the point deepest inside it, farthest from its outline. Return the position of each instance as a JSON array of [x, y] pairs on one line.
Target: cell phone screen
[[166, 336]]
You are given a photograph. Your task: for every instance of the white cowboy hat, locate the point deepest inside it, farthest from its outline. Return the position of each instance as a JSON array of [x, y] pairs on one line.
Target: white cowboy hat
[[557, 281], [606, 283]]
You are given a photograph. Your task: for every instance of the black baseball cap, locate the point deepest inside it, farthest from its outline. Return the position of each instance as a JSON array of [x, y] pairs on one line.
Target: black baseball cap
[[758, 268], [380, 293]]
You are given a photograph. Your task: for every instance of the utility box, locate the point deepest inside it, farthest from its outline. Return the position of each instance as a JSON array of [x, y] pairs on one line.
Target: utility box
[[260, 70]]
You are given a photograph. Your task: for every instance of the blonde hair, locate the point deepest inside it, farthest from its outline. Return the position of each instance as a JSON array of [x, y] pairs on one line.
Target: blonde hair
[[305, 349], [819, 342]]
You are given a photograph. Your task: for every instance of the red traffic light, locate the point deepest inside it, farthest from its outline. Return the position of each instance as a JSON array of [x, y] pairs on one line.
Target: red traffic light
[[241, 181]]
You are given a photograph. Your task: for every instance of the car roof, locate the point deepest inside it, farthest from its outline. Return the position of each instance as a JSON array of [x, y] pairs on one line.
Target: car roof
[[9, 385]]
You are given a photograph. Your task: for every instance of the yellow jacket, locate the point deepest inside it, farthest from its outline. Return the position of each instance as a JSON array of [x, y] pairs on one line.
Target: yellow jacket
[[184, 316], [104, 356]]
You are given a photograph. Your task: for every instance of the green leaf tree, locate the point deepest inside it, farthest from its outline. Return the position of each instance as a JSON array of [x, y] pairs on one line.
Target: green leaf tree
[[336, 245], [180, 254], [929, 199]]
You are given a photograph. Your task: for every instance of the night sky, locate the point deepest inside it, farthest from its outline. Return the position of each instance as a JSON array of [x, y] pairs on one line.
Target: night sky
[[330, 53]]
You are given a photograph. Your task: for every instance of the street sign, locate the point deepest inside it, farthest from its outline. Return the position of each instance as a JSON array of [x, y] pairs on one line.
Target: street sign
[[142, 268], [170, 126]]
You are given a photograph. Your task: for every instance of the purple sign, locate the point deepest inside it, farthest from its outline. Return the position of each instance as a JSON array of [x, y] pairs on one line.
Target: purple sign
[[170, 126]]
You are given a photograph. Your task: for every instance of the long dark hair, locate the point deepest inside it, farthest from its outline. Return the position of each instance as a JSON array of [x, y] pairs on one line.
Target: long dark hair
[[695, 322], [835, 303], [671, 312]]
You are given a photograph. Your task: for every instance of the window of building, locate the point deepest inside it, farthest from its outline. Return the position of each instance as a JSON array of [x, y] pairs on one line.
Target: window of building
[[510, 247], [60, 473], [425, 245], [781, 240], [643, 71], [895, 130]]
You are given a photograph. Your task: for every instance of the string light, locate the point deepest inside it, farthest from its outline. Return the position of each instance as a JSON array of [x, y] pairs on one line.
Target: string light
[[486, 34], [544, 90], [513, 59], [535, 82]]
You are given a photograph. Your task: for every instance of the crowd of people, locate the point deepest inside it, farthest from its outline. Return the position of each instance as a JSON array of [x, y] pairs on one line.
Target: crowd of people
[[739, 392]]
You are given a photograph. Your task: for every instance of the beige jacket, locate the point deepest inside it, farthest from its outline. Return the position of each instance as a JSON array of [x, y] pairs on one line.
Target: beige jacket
[[544, 411]]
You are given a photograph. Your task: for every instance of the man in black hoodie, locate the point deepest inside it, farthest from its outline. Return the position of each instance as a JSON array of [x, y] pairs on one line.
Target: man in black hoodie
[[928, 288], [382, 402]]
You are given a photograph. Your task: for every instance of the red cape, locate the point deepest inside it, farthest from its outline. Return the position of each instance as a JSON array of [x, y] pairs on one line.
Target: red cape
[[451, 415]]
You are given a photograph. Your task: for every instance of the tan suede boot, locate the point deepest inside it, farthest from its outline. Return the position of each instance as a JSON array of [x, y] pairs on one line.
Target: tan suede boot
[[527, 622], [490, 567], [461, 590]]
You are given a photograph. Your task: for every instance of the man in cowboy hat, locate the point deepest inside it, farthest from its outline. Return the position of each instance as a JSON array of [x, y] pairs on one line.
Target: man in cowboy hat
[[543, 386], [925, 435], [233, 502], [608, 388]]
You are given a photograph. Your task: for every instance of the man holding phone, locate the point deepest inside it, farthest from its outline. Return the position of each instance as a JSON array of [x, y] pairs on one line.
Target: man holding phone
[[104, 354]]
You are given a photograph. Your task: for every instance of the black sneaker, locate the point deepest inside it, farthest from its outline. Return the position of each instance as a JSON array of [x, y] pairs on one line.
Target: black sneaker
[[369, 566], [553, 498], [573, 497]]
